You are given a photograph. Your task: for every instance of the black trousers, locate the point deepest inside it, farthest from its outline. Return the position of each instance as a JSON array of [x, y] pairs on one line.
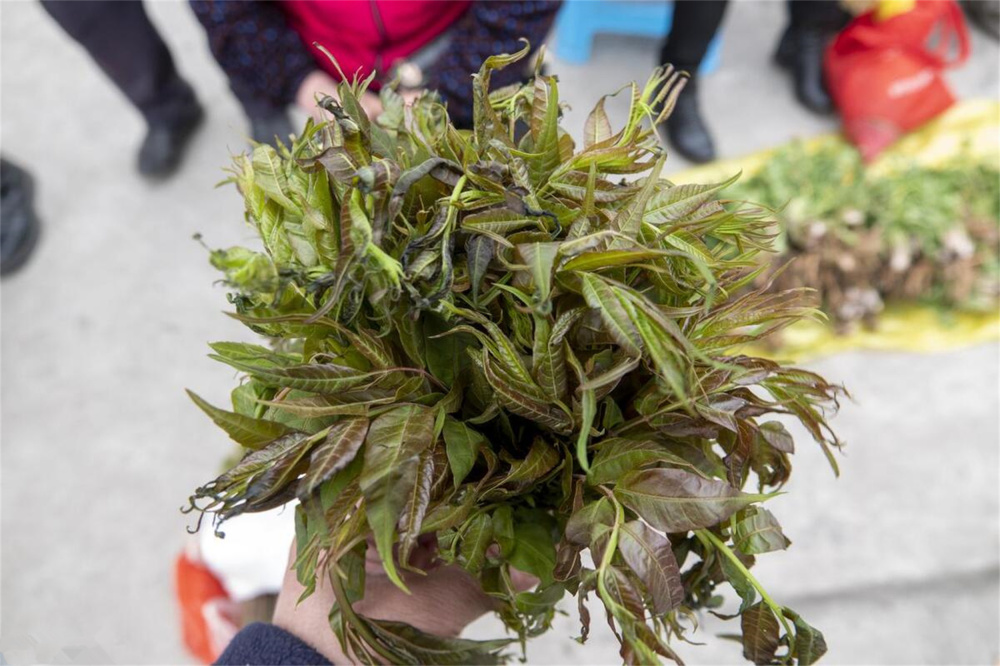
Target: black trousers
[[126, 46], [695, 23]]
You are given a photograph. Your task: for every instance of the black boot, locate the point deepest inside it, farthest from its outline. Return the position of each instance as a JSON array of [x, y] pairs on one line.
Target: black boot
[[800, 51], [18, 222], [685, 129], [161, 151]]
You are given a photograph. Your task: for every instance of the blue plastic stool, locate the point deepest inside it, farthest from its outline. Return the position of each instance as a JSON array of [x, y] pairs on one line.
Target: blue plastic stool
[[580, 20]]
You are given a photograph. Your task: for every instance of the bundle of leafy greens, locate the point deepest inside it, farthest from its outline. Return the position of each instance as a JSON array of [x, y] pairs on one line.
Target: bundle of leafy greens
[[521, 348], [918, 234]]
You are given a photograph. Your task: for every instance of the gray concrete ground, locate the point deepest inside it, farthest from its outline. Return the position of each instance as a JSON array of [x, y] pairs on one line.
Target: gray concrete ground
[[897, 561]]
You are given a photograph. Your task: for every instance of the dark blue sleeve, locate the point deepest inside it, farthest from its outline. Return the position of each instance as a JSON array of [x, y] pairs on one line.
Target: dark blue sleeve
[[486, 29], [261, 54], [260, 644]]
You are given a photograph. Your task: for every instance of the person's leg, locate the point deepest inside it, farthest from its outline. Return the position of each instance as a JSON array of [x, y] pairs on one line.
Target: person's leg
[[127, 47], [825, 15], [811, 23], [694, 25]]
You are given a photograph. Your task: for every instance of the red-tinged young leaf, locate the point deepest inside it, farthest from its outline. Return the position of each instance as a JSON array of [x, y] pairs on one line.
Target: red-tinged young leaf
[[597, 129], [774, 433], [760, 634], [411, 521], [342, 444], [673, 500], [651, 558]]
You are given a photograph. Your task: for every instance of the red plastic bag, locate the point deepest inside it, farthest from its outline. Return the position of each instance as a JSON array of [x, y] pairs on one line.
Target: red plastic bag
[[885, 77], [208, 617]]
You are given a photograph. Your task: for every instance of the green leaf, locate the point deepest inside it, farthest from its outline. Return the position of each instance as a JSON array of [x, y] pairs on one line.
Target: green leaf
[[534, 550], [591, 261], [617, 456], [541, 458], [673, 500], [544, 130], [678, 201], [503, 529], [269, 176], [628, 221], [809, 643], [616, 313], [759, 532], [539, 258], [326, 378], [342, 444], [477, 535], [462, 443], [760, 634], [394, 443], [248, 353], [498, 221], [246, 431], [741, 584], [651, 558], [445, 356]]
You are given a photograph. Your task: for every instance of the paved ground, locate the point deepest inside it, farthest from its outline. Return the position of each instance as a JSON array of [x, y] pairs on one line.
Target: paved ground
[[897, 561]]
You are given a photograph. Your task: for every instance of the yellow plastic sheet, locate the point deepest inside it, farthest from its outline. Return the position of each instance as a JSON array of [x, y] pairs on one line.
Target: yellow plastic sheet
[[970, 129], [901, 328]]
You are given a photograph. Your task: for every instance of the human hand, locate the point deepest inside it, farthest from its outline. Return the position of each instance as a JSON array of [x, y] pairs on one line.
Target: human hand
[[318, 83], [455, 597]]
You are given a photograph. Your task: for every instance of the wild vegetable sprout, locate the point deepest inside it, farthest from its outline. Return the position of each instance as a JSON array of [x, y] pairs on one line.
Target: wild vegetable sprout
[[919, 234], [525, 349]]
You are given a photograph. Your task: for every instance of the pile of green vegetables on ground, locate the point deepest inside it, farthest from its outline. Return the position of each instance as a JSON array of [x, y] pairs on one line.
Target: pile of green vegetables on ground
[[917, 234], [520, 347]]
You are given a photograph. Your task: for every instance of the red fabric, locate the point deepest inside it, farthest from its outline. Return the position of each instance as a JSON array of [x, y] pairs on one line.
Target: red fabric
[[198, 589], [884, 76], [373, 35]]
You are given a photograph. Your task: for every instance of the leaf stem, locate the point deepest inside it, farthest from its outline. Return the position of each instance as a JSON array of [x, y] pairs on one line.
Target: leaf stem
[[355, 620], [609, 552], [720, 546]]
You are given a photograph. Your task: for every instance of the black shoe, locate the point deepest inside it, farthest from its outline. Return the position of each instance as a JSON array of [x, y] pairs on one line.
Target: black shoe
[[800, 51], [161, 151], [685, 129], [271, 129], [18, 223]]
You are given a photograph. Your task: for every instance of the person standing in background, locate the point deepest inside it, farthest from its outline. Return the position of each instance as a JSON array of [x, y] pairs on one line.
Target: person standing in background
[[267, 49], [127, 47], [811, 23]]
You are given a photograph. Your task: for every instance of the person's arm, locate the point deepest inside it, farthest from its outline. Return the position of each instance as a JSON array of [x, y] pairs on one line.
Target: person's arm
[[264, 58], [486, 29], [261, 643]]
